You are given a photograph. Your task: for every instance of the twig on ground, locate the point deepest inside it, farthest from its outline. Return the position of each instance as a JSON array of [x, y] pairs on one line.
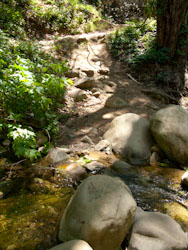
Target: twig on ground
[[132, 78]]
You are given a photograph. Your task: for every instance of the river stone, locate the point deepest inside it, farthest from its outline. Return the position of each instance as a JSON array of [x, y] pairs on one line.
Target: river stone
[[156, 231], [101, 212], [95, 166], [120, 167], [74, 171], [169, 127], [184, 180], [130, 137], [73, 245], [55, 156]]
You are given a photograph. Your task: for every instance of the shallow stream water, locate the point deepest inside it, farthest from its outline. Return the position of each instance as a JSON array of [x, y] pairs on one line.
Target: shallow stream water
[[159, 189], [29, 217]]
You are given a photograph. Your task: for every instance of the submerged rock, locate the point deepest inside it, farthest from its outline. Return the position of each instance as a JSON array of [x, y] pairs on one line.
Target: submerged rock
[[130, 137], [169, 127], [156, 231], [101, 212]]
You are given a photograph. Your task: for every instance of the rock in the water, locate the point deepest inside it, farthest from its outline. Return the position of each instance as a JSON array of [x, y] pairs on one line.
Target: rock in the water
[[95, 166], [184, 180], [74, 171], [169, 127], [156, 231], [120, 167], [85, 83], [115, 103], [73, 245], [130, 137], [101, 212], [56, 156]]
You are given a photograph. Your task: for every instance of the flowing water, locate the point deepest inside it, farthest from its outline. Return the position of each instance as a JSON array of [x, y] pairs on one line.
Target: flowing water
[[159, 189]]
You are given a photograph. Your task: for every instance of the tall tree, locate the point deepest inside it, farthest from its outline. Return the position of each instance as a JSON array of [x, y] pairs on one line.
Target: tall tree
[[172, 33]]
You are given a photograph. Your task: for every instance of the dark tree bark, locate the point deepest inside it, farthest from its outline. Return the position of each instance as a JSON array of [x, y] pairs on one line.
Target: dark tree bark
[[172, 18]]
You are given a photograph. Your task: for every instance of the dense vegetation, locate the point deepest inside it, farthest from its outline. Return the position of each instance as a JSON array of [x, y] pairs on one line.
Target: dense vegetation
[[32, 83]]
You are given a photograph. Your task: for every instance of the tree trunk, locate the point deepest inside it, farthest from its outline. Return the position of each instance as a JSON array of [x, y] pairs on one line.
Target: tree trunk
[[172, 18]]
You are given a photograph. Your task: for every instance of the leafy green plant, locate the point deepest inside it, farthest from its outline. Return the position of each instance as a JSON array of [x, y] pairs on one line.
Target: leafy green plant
[[135, 44], [32, 88], [24, 142]]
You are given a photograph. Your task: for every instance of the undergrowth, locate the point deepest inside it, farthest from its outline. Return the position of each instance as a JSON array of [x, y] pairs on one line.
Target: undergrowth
[[32, 83], [135, 44]]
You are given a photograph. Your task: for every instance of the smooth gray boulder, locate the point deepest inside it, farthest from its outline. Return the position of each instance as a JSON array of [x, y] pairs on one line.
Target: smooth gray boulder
[[73, 245], [130, 137], [169, 127], [101, 212], [156, 231]]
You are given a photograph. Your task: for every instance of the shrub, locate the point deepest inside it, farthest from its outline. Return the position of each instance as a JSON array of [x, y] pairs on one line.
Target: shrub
[[135, 44], [32, 87]]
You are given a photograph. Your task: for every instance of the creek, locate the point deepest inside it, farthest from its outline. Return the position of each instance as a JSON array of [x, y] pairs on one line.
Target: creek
[[29, 216]]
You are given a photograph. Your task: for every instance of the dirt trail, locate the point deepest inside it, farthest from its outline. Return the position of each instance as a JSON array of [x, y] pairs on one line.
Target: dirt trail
[[88, 53]]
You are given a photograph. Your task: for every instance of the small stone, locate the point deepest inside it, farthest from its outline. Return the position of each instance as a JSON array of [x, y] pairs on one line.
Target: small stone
[[89, 72], [56, 155], [95, 59], [82, 40], [103, 144], [85, 83], [120, 167], [154, 159], [104, 71], [115, 103], [77, 94], [87, 139], [96, 94], [95, 166], [74, 171]]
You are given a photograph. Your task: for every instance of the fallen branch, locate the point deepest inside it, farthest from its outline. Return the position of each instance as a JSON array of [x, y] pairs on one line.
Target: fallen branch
[[133, 79]]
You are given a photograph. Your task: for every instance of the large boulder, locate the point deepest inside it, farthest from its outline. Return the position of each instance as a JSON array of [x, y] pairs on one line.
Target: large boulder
[[73, 245], [156, 231], [130, 137], [101, 212], [169, 127]]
